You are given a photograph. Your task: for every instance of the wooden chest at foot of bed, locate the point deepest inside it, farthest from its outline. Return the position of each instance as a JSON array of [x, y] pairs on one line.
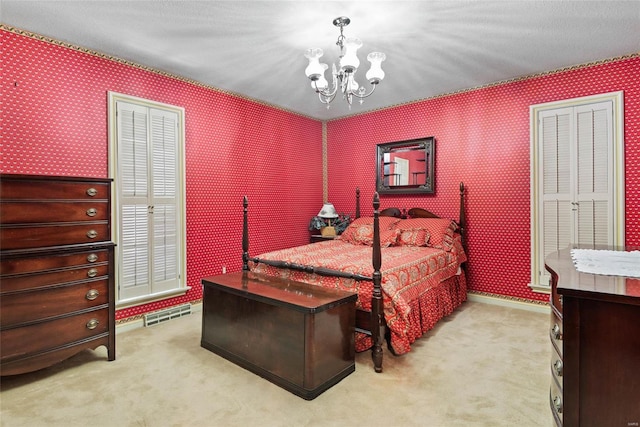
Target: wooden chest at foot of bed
[[298, 336]]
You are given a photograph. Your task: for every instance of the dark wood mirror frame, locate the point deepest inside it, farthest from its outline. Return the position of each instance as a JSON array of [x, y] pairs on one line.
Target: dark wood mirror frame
[[406, 167]]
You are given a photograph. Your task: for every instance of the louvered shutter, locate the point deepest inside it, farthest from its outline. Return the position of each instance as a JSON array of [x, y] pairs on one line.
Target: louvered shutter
[[148, 164], [133, 184], [556, 177], [164, 140], [594, 189]]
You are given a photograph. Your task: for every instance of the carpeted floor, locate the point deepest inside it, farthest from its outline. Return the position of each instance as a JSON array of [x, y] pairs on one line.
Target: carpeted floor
[[485, 365]]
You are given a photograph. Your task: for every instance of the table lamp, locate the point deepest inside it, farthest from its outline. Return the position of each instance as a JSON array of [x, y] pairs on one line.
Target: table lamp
[[328, 212]]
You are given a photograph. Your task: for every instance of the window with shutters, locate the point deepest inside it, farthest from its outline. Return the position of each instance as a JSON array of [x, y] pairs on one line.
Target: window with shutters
[[577, 177], [146, 163]]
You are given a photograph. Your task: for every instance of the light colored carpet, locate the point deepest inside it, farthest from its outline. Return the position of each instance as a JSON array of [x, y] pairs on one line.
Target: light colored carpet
[[485, 365]]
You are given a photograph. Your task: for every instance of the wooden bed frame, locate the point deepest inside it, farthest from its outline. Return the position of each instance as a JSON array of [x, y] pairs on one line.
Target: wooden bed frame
[[373, 322]]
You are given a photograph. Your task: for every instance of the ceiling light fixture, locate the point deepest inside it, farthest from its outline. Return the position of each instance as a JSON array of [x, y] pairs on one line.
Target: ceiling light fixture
[[345, 77]]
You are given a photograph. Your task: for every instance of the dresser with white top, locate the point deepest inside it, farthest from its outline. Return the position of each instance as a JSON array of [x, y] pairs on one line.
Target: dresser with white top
[[595, 337]]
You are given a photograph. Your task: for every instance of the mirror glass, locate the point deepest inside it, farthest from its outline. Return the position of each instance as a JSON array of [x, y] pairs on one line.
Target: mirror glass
[[406, 167]]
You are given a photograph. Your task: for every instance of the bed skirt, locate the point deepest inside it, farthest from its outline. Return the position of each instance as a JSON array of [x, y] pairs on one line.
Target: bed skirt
[[434, 304]]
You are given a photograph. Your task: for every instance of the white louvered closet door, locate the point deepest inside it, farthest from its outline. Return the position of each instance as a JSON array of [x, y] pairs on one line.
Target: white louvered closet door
[[557, 224], [594, 178], [147, 184], [577, 178]]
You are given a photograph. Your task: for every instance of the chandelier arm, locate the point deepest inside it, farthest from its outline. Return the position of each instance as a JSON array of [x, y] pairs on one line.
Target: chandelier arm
[[365, 96], [327, 98], [325, 92]]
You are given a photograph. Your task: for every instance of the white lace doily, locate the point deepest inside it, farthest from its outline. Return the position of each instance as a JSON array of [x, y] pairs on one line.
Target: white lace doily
[[609, 263]]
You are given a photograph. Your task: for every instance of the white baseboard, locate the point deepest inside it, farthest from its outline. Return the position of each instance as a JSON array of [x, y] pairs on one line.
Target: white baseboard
[[521, 305], [129, 325], [138, 322]]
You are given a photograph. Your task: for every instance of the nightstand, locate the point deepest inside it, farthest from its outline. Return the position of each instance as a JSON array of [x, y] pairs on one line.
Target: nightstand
[[320, 238]]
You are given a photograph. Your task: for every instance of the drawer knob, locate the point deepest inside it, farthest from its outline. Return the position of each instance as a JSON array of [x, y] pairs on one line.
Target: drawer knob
[[557, 365], [92, 191], [92, 234], [92, 294], [92, 257], [555, 331], [557, 403], [93, 323], [93, 272], [92, 212]]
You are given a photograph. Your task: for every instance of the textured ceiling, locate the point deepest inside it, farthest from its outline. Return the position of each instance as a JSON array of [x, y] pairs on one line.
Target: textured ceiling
[[255, 48]]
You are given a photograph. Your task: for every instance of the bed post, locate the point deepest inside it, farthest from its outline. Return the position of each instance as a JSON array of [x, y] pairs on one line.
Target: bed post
[[377, 321], [462, 218], [357, 202], [245, 236]]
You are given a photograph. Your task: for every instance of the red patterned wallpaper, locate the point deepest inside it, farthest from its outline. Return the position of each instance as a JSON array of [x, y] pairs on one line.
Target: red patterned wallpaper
[[54, 122], [482, 139]]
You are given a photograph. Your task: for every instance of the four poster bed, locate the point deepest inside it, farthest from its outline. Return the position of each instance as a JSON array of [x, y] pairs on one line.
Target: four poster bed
[[405, 267]]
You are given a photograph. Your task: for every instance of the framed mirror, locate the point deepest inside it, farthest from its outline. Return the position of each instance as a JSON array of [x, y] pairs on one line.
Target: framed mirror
[[406, 167]]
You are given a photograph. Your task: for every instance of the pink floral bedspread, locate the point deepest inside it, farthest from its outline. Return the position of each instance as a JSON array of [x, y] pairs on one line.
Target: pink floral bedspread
[[419, 285]]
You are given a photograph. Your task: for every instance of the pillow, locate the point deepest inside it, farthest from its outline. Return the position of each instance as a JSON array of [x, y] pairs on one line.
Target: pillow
[[386, 223], [413, 237], [440, 230], [362, 234]]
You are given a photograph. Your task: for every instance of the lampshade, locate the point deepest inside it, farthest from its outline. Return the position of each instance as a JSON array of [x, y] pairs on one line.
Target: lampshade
[[321, 83], [350, 62], [375, 74], [353, 84], [314, 70], [328, 211]]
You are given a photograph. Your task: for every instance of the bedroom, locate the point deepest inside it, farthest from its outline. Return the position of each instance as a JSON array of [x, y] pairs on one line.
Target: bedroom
[[476, 129]]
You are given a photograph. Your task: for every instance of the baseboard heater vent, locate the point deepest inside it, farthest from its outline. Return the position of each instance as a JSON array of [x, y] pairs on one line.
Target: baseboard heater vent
[[168, 314]]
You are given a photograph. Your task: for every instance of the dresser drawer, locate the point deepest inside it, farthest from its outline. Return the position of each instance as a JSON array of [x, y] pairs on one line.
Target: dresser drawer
[[52, 189], [39, 337], [34, 236], [43, 212], [52, 278], [555, 332], [556, 401], [557, 367], [556, 299], [39, 264], [29, 306]]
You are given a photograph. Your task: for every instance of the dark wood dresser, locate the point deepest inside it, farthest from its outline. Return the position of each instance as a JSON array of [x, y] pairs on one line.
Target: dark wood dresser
[[56, 270], [595, 336]]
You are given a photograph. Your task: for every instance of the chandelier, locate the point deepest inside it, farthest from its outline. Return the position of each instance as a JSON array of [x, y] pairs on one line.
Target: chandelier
[[344, 78]]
